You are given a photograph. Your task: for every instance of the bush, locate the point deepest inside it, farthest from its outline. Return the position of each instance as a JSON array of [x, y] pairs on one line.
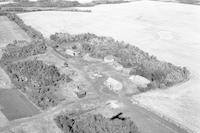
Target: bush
[[159, 72], [95, 124]]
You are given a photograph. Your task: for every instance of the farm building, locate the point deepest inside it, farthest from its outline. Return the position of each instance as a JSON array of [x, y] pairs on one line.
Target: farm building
[[81, 93], [109, 59], [139, 80], [71, 52], [113, 84]]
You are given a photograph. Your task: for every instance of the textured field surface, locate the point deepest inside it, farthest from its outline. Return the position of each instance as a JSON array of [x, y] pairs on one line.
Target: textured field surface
[[170, 31], [10, 31], [5, 81], [3, 119], [14, 105]]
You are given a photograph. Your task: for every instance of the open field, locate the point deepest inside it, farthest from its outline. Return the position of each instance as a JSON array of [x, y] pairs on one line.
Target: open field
[[170, 31], [3, 3], [14, 105], [10, 31], [5, 81], [3, 119]]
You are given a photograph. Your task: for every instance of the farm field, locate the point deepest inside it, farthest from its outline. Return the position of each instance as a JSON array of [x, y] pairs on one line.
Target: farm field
[[3, 3], [170, 31], [10, 31], [3, 119], [14, 105], [5, 81]]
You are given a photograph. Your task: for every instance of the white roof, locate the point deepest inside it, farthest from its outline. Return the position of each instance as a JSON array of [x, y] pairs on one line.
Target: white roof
[[116, 85], [139, 80]]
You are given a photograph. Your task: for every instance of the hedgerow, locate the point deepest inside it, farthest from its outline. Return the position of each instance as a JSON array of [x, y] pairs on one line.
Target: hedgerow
[[14, 51], [28, 29]]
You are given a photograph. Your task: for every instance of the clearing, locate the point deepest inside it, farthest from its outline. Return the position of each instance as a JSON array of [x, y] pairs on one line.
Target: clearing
[[170, 31], [10, 31]]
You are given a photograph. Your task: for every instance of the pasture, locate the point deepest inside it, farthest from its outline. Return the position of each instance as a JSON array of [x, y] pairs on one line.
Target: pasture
[[10, 31], [15, 105], [170, 31]]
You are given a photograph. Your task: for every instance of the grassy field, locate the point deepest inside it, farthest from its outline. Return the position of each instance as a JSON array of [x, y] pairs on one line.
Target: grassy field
[[10, 31], [167, 30], [14, 105]]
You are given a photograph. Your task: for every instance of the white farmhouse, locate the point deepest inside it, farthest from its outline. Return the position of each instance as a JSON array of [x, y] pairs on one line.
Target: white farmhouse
[[113, 84], [139, 80]]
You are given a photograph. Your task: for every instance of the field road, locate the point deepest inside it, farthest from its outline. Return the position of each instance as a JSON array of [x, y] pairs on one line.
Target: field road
[[147, 121]]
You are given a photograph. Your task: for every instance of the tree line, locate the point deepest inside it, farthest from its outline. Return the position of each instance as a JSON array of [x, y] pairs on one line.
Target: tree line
[[95, 123], [161, 74]]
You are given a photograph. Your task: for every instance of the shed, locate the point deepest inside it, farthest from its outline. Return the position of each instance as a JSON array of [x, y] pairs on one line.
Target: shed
[[113, 84]]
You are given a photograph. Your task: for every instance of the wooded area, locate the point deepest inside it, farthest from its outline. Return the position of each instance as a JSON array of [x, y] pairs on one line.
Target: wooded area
[[161, 74]]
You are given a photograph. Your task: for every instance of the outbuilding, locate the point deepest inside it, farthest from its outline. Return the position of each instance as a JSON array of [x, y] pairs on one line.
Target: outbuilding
[[139, 80], [113, 84]]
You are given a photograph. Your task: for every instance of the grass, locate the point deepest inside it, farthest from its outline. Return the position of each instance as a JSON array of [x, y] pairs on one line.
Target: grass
[[15, 105], [10, 31]]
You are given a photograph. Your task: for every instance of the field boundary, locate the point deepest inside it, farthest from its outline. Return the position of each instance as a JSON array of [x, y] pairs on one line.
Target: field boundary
[[169, 119], [31, 32]]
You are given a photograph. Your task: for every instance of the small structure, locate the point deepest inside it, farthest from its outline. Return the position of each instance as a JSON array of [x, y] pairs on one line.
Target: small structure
[[71, 52], [81, 93], [109, 59], [113, 84], [117, 66], [66, 64], [139, 80]]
